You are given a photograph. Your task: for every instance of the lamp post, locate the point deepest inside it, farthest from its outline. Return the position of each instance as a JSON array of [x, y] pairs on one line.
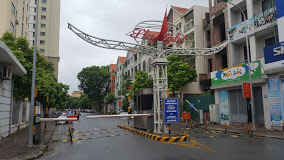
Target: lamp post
[[249, 59]]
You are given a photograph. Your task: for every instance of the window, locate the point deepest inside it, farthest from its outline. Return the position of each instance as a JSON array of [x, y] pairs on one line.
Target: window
[[42, 42], [23, 14], [42, 33], [210, 65], [245, 54], [267, 4], [35, 9], [35, 1], [34, 17], [43, 25], [224, 61], [33, 34], [43, 1], [222, 31], [43, 9], [144, 66], [22, 32], [246, 14], [41, 50], [272, 40], [33, 26], [13, 9], [11, 27], [43, 17]]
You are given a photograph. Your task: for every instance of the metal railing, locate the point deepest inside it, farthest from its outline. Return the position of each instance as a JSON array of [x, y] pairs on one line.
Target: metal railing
[[188, 25]]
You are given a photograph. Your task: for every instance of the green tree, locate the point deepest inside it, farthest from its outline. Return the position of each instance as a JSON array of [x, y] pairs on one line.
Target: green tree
[[94, 81], [142, 80], [46, 83], [110, 98], [179, 73], [125, 104]]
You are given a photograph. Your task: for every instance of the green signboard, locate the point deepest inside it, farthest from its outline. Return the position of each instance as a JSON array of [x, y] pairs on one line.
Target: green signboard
[[236, 74]]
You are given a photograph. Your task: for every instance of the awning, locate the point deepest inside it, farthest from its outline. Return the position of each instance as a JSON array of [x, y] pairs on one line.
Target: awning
[[7, 58]]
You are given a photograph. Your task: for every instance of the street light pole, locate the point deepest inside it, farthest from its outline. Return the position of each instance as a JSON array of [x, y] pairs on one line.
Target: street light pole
[[30, 142], [249, 59]]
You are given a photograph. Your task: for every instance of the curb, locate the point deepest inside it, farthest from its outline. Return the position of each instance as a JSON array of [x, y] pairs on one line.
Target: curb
[[154, 136]]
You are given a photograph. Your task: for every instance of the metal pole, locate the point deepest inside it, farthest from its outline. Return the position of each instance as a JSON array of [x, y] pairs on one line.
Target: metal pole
[[249, 59], [30, 142]]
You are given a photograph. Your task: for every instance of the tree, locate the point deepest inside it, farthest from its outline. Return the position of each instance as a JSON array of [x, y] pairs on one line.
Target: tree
[[46, 83], [94, 81], [110, 98], [125, 85], [179, 73], [125, 104], [142, 80]]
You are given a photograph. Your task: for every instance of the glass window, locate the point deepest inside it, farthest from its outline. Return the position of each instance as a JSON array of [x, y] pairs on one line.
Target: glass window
[[43, 1], [33, 34], [43, 17], [41, 50], [13, 9], [43, 9], [42, 33], [267, 4], [271, 41], [11, 27], [42, 41], [43, 25]]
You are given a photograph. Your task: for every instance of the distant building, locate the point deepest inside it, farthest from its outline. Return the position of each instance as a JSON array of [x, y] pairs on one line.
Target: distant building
[[112, 77], [77, 93]]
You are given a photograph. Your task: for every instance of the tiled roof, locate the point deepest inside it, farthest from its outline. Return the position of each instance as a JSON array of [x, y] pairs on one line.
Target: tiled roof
[[180, 10], [122, 59], [112, 66]]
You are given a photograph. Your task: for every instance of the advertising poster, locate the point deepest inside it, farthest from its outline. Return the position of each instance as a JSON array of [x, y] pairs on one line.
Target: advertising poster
[[224, 105], [171, 110], [236, 74], [275, 100]]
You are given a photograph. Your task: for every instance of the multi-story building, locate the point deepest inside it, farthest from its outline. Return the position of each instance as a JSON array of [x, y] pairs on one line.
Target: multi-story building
[[119, 81], [112, 77], [190, 22], [14, 16], [18, 17], [262, 31], [77, 93], [48, 29]]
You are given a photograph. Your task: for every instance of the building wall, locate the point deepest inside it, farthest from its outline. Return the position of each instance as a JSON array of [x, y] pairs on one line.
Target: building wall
[[5, 106]]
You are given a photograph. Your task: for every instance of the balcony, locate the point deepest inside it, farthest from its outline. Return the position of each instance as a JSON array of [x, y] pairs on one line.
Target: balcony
[[188, 25], [258, 23]]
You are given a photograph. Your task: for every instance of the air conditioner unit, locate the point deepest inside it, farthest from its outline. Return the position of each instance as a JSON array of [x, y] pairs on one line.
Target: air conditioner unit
[[6, 72], [17, 22]]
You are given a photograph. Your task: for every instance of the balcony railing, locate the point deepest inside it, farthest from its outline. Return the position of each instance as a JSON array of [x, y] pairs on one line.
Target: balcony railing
[[253, 25], [188, 25]]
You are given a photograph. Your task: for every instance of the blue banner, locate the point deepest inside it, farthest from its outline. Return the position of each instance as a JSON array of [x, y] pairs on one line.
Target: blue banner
[[171, 114], [274, 53], [223, 105], [280, 8], [275, 100]]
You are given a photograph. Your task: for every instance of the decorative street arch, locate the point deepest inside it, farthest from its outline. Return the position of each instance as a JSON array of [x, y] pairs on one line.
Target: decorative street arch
[[146, 32]]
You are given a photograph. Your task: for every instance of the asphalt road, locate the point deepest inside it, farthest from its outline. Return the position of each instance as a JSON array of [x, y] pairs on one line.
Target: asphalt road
[[100, 139]]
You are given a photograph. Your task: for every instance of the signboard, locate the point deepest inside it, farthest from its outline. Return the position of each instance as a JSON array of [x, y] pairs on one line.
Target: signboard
[[223, 106], [280, 8], [246, 90], [253, 25], [171, 110], [274, 56], [186, 115], [120, 103], [275, 100], [236, 74]]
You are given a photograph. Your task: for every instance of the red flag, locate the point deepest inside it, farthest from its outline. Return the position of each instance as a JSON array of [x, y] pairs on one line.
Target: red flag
[[164, 28]]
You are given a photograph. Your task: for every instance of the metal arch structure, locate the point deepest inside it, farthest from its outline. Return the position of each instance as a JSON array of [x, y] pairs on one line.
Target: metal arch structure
[[159, 55]]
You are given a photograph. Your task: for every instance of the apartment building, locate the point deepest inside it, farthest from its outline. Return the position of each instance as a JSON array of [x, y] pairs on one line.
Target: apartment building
[[14, 16], [190, 22], [18, 17], [48, 29], [112, 77], [119, 81], [262, 29], [77, 94]]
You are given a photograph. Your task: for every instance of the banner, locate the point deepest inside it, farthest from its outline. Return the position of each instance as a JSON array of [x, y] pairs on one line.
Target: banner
[[224, 105], [275, 100], [171, 114], [236, 74], [253, 25]]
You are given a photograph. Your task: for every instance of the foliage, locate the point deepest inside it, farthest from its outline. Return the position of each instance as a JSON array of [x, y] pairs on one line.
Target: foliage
[[94, 81], [125, 83], [46, 83], [82, 102], [142, 80], [179, 73], [125, 104], [110, 98]]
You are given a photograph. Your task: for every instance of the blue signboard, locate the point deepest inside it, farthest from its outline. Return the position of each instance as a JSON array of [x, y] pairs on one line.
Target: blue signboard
[[275, 100], [280, 8], [274, 53], [171, 114]]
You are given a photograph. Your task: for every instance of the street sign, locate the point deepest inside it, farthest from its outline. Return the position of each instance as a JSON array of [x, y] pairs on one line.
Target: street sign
[[186, 115], [246, 90], [171, 110]]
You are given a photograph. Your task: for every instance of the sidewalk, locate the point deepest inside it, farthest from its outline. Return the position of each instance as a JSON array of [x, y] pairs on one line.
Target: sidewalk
[[15, 145], [238, 128]]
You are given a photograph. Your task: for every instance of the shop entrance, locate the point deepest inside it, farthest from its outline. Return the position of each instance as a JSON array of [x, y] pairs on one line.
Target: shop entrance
[[238, 106]]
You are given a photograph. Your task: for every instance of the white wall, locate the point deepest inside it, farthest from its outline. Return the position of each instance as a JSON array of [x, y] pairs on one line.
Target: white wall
[[5, 106]]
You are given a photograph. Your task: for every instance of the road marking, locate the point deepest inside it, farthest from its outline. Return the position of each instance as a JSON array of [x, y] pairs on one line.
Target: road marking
[[94, 137], [234, 136], [213, 131], [112, 135], [194, 144], [211, 136]]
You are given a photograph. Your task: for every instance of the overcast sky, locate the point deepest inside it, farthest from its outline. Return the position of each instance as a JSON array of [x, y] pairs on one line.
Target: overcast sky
[[109, 19]]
